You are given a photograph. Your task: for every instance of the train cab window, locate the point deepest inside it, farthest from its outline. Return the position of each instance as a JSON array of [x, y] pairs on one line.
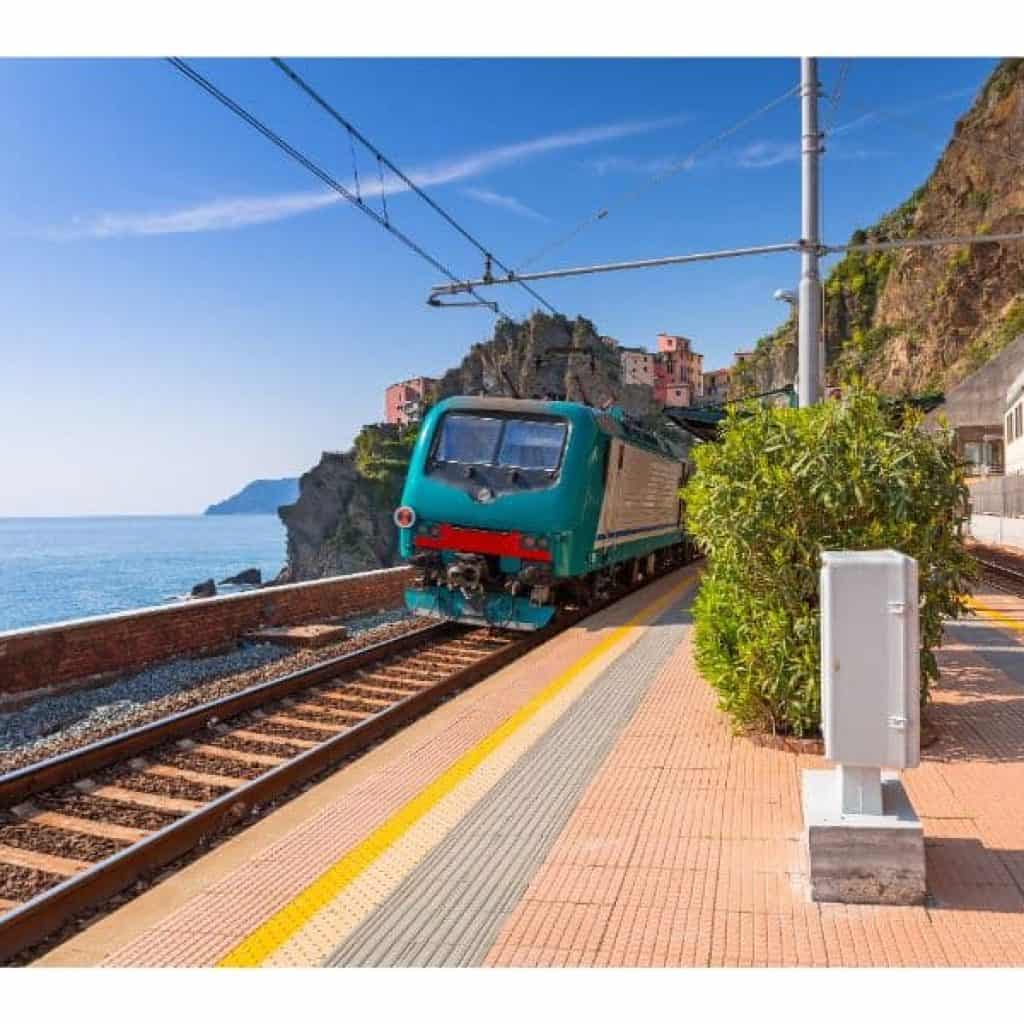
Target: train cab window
[[532, 444], [468, 439]]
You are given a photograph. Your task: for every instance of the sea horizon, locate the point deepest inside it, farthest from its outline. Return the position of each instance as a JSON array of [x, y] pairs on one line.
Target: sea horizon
[[56, 568]]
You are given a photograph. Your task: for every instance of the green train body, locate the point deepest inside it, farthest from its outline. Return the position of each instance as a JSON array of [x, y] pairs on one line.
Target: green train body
[[512, 508]]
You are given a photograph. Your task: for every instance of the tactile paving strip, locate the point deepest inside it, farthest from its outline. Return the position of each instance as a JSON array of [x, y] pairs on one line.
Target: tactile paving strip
[[450, 908]]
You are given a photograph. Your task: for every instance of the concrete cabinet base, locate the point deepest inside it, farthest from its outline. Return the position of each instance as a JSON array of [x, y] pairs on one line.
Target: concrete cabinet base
[[862, 858]]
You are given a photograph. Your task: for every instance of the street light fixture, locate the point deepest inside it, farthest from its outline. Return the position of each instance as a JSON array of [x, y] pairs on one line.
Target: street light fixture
[[790, 297]]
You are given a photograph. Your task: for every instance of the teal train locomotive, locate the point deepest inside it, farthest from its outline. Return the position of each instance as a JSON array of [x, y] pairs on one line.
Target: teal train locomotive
[[513, 508]]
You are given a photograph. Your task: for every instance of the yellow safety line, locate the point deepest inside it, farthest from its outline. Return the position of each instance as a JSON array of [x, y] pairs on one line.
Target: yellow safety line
[[995, 614], [282, 925]]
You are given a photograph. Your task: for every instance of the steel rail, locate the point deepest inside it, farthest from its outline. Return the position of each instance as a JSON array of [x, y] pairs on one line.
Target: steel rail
[[1003, 573], [75, 764], [39, 917]]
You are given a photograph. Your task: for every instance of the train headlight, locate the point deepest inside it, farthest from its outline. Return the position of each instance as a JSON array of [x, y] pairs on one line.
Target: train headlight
[[404, 517]]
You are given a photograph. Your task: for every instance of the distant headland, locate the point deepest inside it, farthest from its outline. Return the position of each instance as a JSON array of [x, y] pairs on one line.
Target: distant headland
[[261, 497]]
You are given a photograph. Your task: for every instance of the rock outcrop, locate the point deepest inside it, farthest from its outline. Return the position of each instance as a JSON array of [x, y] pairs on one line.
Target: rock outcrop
[[205, 589], [246, 578], [915, 320], [341, 522]]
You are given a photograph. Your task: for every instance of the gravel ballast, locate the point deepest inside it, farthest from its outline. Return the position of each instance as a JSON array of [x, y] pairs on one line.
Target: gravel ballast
[[57, 723]]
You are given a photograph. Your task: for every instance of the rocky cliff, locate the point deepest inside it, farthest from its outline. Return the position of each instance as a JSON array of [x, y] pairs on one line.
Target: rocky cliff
[[923, 319], [341, 521]]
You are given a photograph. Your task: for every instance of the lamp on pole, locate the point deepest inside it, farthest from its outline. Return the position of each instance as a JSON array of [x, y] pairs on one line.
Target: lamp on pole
[[791, 297]]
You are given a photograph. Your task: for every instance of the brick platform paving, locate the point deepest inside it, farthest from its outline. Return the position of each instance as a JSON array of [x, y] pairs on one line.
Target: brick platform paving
[[592, 807], [686, 849]]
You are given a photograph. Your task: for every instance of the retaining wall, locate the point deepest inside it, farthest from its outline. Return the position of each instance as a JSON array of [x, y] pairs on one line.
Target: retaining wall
[[66, 653], [1000, 530]]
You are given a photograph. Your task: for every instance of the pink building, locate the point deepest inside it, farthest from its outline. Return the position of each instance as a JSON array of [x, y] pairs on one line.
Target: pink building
[[716, 386], [403, 402], [678, 371]]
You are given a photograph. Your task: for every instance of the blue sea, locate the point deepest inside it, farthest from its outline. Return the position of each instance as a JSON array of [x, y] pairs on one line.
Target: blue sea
[[67, 568]]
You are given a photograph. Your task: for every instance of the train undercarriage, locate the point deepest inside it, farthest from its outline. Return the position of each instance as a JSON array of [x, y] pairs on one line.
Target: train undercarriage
[[473, 588]]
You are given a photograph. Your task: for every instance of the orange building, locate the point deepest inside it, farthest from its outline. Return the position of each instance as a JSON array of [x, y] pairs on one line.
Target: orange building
[[403, 402], [678, 371]]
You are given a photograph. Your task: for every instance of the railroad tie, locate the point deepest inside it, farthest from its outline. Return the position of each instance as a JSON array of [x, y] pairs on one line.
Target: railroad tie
[[386, 684], [271, 738], [302, 723], [327, 708], [86, 826], [241, 756], [48, 862], [170, 771], [154, 801]]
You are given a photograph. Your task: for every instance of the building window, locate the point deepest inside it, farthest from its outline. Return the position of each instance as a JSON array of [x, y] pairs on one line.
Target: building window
[[1017, 425]]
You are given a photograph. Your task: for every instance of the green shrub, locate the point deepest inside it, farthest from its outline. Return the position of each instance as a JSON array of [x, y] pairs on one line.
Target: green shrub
[[780, 487]]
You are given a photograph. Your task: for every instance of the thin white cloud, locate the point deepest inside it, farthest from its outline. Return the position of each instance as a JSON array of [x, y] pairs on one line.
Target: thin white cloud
[[237, 212], [484, 195], [902, 110], [629, 165], [220, 215], [768, 154]]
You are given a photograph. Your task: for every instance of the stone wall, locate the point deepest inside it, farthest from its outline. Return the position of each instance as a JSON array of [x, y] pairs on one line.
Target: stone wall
[[51, 657]]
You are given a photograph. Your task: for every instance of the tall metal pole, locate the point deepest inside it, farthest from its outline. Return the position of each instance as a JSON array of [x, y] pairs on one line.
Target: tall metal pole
[[809, 307]]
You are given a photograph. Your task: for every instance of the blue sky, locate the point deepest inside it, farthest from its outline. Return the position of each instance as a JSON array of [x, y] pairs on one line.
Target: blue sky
[[185, 309]]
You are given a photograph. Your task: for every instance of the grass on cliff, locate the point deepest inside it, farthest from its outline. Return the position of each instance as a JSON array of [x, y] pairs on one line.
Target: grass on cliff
[[995, 339]]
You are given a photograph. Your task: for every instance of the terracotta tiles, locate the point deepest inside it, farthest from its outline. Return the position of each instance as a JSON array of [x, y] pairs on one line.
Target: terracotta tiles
[[688, 842]]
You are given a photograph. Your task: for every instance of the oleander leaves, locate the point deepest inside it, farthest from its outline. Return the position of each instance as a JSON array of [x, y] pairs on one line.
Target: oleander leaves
[[782, 486]]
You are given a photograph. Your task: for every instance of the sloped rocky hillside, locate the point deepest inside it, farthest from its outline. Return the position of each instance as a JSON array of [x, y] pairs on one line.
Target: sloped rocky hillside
[[923, 319]]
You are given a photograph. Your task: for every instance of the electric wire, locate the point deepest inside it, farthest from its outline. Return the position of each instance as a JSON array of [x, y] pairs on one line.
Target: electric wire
[[629, 195], [888, 114], [332, 183], [487, 253]]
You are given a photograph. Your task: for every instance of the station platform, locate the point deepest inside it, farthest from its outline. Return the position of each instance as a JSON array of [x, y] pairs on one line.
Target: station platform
[[589, 805]]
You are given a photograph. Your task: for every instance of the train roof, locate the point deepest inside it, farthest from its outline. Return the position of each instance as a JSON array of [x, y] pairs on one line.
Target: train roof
[[612, 421]]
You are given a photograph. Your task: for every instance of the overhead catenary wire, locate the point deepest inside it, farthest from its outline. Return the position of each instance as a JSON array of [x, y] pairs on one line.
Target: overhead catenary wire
[[629, 195], [382, 159], [890, 114], [314, 169], [723, 254]]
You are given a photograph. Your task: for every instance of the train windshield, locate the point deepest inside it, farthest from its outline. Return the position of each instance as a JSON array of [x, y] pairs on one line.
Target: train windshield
[[531, 444], [513, 443]]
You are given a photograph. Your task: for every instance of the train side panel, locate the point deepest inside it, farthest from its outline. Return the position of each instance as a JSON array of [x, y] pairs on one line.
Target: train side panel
[[641, 510]]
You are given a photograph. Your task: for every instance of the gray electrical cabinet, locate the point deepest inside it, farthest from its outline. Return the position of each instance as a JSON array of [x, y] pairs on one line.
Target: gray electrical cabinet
[[870, 659]]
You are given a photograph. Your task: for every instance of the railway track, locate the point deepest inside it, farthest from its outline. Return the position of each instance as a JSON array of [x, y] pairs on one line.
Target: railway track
[[1000, 569], [1001, 576], [81, 827]]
